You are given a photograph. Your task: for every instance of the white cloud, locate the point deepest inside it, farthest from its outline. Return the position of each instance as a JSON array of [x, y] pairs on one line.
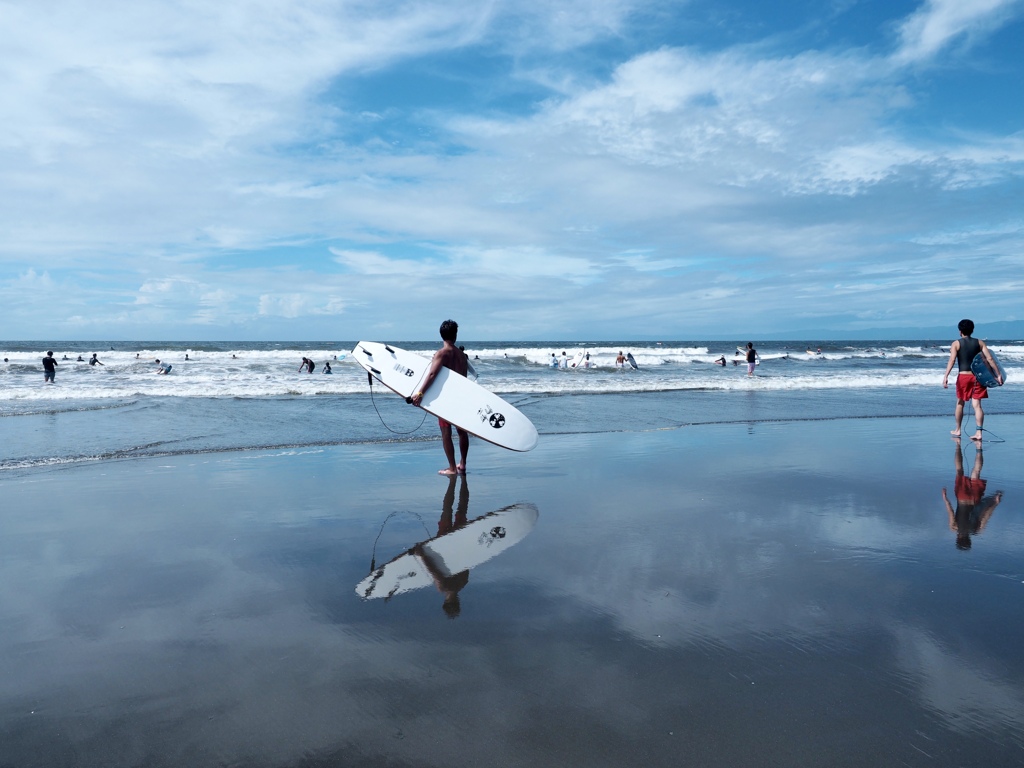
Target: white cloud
[[373, 263], [535, 263], [283, 304], [184, 147], [940, 22]]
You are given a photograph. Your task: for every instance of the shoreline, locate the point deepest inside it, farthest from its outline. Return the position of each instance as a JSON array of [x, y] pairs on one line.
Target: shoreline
[[182, 426]]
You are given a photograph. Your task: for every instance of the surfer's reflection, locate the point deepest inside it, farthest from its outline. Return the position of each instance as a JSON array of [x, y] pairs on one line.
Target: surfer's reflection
[[449, 586], [445, 560], [973, 508]]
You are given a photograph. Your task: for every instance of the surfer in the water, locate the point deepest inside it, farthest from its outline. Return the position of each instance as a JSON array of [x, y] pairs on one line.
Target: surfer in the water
[[752, 357], [454, 359], [963, 351]]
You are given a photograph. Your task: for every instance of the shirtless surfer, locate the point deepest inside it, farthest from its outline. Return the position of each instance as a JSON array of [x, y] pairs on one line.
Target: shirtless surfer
[[454, 359]]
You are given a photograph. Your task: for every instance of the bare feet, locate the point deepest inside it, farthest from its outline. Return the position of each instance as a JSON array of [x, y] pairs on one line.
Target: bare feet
[[955, 432], [447, 471], [460, 469], [976, 437]]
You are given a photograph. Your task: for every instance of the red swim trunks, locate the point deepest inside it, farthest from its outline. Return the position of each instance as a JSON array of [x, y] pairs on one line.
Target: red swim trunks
[[968, 489], [442, 423], [968, 388]]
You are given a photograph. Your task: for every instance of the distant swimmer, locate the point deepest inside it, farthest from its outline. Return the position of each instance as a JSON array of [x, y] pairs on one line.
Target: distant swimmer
[[186, 355], [564, 362], [752, 358], [94, 360], [554, 361], [720, 361], [49, 368], [65, 358], [80, 360], [963, 351], [620, 359], [163, 367], [327, 367], [308, 364], [454, 359]]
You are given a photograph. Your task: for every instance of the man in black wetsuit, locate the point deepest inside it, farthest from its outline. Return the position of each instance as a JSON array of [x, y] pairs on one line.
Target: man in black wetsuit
[[49, 368], [963, 351], [752, 357]]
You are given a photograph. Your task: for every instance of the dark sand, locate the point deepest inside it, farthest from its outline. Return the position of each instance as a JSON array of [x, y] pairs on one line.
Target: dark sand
[[773, 595]]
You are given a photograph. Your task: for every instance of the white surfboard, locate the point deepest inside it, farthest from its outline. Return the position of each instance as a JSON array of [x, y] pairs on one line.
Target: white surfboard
[[451, 397], [575, 362], [467, 547]]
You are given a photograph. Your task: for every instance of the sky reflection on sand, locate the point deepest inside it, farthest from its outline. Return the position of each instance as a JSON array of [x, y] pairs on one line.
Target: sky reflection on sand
[[717, 590]]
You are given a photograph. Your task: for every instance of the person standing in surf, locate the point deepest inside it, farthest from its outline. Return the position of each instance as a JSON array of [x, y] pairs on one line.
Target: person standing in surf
[[963, 351], [454, 359], [49, 368], [751, 358]]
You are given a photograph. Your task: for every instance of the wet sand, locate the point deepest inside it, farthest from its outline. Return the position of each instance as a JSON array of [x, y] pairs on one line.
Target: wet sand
[[719, 595]]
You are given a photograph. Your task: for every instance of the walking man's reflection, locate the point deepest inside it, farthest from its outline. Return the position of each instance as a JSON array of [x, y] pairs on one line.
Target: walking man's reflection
[[449, 586], [973, 509]]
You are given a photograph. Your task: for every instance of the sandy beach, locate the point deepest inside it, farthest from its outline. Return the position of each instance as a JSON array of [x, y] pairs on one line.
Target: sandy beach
[[768, 594]]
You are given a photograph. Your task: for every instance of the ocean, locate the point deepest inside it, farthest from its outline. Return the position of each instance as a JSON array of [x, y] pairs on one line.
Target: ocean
[[225, 396]]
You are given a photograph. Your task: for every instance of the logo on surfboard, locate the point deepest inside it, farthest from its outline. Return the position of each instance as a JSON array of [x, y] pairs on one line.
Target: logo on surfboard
[[487, 414], [489, 537], [403, 370]]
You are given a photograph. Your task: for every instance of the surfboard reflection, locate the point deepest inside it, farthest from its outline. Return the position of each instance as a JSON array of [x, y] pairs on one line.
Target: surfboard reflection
[[445, 560]]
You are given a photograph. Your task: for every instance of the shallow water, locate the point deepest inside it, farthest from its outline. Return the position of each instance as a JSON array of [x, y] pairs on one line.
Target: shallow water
[[761, 593]]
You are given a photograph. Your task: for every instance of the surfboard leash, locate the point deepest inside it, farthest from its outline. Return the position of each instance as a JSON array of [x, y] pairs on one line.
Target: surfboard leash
[[369, 379], [373, 555], [970, 415]]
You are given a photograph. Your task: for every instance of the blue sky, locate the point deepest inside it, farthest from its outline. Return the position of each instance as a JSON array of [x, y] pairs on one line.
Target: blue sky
[[323, 169]]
